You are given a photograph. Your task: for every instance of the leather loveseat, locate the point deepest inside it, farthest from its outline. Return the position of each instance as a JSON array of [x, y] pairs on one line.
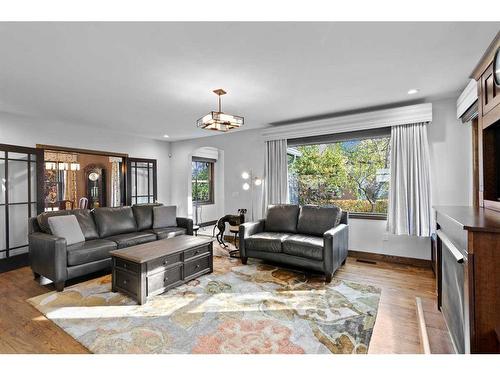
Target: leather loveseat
[[310, 237], [104, 229]]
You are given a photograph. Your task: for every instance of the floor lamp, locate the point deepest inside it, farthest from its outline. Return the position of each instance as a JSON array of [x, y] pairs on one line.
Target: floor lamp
[[252, 182]]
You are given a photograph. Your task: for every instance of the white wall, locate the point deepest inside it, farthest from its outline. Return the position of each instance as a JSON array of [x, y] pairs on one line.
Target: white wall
[[28, 131], [451, 168], [243, 151]]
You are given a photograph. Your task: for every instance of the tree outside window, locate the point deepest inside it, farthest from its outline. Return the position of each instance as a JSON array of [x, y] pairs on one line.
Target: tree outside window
[[353, 175], [202, 181]]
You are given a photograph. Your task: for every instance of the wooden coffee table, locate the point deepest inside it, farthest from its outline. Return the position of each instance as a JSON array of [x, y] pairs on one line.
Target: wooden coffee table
[[152, 268]]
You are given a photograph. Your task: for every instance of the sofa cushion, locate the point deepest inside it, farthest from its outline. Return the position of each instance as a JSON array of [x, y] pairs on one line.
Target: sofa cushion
[[164, 216], [42, 219], [86, 220], [304, 246], [143, 214], [114, 220], [66, 226], [265, 241], [317, 220], [282, 218], [131, 239], [169, 232], [89, 251]]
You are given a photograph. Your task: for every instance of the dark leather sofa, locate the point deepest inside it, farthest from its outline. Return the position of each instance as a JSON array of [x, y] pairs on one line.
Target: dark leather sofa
[[310, 237], [104, 229]]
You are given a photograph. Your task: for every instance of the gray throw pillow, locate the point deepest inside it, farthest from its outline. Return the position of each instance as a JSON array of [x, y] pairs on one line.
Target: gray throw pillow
[[66, 227], [164, 216]]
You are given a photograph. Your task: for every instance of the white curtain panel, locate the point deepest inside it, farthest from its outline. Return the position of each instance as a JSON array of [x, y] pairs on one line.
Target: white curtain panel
[[115, 184], [276, 173], [410, 211]]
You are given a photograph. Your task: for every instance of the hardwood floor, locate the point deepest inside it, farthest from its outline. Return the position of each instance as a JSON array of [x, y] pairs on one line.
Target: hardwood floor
[[25, 330]]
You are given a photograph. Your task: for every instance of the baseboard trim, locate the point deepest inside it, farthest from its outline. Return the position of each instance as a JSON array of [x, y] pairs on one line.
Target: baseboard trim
[[15, 262], [424, 263]]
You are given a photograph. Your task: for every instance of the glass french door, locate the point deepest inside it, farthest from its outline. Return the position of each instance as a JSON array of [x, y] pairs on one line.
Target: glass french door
[[18, 197], [141, 181]]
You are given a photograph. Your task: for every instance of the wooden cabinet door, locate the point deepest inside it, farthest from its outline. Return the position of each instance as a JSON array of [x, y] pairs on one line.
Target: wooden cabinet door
[[490, 92]]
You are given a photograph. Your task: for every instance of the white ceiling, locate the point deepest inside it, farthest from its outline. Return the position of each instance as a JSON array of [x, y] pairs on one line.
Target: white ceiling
[[152, 79]]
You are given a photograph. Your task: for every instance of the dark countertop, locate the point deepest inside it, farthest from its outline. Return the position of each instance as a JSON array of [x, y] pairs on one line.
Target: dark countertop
[[472, 219]]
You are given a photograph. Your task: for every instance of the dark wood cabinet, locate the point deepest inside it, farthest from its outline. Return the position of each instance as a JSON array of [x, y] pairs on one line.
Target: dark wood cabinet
[[146, 270], [468, 249], [488, 128]]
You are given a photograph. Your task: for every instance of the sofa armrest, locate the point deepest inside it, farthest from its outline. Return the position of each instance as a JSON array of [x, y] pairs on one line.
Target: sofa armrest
[[336, 241], [48, 256], [246, 230], [184, 222]]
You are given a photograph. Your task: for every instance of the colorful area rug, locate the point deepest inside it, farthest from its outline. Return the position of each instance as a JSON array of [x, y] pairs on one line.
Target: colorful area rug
[[252, 309]]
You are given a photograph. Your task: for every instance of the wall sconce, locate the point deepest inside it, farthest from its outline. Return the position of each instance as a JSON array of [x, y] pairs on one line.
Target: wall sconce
[[50, 166], [75, 166]]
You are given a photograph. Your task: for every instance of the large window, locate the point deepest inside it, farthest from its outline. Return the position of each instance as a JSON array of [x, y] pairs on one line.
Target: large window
[[349, 170], [202, 180]]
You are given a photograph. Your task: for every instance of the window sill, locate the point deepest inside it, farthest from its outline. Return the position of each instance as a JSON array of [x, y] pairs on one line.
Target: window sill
[[367, 216], [203, 203]]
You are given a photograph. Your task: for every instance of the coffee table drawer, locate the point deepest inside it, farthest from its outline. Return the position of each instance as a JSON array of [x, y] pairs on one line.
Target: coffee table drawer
[[196, 251], [164, 262], [197, 265], [163, 280], [127, 281], [129, 266]]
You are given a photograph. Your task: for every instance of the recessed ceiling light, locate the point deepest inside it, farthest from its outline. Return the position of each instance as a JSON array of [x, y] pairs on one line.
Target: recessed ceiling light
[[165, 135], [413, 91]]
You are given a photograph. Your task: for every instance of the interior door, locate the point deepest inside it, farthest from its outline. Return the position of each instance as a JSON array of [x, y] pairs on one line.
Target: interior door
[[18, 197], [141, 181]]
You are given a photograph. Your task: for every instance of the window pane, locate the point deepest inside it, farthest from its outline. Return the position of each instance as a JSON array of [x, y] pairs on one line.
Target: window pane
[[2, 227], [151, 182], [21, 250], [142, 200], [201, 181], [15, 155], [18, 225], [2, 181], [132, 175], [33, 182], [142, 181], [18, 181], [353, 175]]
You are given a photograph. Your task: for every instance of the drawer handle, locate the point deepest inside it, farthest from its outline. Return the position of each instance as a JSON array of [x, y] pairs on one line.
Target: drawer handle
[[197, 266], [196, 252], [124, 282], [165, 262], [453, 249], [165, 279], [124, 265]]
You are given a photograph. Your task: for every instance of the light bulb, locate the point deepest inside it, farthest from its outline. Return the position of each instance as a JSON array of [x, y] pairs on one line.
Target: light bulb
[[258, 182], [246, 186], [245, 175]]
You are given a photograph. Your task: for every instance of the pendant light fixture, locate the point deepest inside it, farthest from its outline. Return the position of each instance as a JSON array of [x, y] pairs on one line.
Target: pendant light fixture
[[218, 120]]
